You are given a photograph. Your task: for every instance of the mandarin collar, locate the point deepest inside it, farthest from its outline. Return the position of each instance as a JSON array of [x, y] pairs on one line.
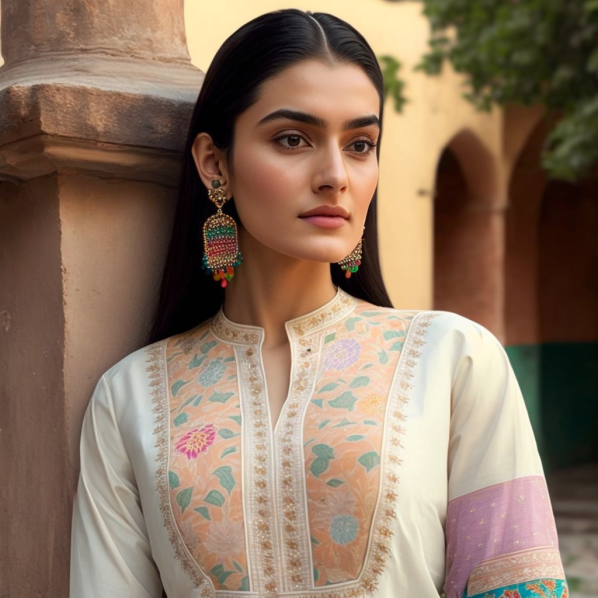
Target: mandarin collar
[[336, 309]]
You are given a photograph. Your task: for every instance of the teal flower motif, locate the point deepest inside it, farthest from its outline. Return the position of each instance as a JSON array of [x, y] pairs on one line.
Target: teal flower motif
[[343, 529], [213, 372]]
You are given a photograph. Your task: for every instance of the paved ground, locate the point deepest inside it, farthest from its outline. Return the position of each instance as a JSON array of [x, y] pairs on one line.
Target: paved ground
[[574, 495]]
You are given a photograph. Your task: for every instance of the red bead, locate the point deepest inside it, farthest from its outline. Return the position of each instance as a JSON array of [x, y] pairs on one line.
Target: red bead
[[347, 273], [224, 284]]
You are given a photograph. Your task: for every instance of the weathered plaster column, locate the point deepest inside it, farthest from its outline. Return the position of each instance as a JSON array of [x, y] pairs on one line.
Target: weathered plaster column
[[95, 100]]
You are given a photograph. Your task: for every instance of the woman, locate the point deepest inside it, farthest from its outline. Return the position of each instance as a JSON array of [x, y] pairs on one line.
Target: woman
[[289, 433]]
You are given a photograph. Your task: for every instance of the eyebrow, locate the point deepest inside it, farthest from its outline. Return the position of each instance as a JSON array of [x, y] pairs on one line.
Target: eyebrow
[[316, 121]]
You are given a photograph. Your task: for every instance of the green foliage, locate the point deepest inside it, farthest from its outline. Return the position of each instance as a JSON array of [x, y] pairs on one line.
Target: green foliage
[[393, 86], [526, 52]]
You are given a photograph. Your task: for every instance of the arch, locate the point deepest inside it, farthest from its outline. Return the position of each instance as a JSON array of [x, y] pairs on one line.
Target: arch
[[468, 232]]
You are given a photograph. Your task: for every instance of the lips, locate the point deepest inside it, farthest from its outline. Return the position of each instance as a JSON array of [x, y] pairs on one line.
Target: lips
[[326, 212]]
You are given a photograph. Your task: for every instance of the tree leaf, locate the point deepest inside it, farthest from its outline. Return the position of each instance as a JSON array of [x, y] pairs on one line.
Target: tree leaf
[[319, 466], [334, 482], [180, 419], [330, 338], [221, 397], [184, 498], [244, 587], [323, 424], [398, 346], [226, 433], [225, 475], [237, 566], [360, 381], [369, 460], [215, 498], [204, 512], [383, 357], [345, 401], [173, 480], [355, 437]]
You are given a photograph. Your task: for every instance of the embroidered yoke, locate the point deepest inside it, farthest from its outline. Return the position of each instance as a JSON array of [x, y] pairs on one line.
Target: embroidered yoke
[[402, 464]]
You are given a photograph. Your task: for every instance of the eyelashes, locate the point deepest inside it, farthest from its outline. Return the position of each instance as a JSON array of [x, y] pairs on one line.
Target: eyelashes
[[294, 141]]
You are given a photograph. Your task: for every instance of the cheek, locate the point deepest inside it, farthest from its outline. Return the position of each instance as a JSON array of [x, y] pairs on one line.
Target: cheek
[[265, 180]]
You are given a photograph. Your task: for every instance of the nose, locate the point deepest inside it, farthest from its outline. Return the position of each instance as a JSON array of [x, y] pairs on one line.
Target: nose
[[331, 172]]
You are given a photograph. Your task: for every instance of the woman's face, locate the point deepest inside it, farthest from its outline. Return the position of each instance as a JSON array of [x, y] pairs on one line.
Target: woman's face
[[304, 165]]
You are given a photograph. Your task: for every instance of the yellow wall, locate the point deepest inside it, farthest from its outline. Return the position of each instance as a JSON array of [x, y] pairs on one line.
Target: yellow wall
[[412, 142]]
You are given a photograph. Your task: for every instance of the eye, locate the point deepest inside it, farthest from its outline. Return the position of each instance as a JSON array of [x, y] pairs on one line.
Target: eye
[[362, 146], [291, 141]]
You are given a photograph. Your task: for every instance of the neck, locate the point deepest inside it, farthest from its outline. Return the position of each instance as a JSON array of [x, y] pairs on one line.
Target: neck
[[269, 289]]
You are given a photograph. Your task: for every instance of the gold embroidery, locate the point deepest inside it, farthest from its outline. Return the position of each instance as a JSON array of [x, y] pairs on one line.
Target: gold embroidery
[[157, 381]]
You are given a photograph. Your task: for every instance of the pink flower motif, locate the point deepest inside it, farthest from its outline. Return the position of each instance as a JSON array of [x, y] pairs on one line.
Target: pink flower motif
[[196, 441], [342, 354]]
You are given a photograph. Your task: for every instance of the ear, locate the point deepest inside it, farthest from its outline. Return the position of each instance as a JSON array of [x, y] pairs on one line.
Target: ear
[[210, 162]]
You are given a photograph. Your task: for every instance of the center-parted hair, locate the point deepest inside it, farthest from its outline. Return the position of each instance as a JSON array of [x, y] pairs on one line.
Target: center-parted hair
[[256, 52]]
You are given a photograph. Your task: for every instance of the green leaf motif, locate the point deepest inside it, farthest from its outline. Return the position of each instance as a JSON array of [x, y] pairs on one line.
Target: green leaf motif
[[369, 460], [350, 324], [177, 386], [225, 475], [221, 397], [173, 480], [355, 437], [180, 419], [220, 573], [344, 423], [318, 402], [314, 541], [345, 401], [330, 338], [323, 424], [228, 451], [214, 498], [366, 366], [323, 450], [370, 422], [316, 573], [360, 381], [371, 314], [244, 584], [388, 334], [229, 359], [235, 418], [334, 483], [237, 567], [196, 361], [197, 401], [226, 433], [204, 512], [330, 386], [319, 466], [207, 347], [383, 357], [184, 498], [398, 346]]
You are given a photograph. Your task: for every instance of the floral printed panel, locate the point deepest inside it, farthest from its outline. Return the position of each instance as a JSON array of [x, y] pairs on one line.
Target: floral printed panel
[[540, 588], [205, 456], [343, 435]]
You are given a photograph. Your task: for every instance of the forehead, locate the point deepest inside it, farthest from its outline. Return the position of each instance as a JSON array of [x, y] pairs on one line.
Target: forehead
[[336, 92]]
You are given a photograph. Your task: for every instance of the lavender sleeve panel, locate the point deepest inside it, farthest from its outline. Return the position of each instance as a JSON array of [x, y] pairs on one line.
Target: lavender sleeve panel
[[499, 521]]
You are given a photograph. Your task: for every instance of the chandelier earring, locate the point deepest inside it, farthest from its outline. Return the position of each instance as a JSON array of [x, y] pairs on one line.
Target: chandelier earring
[[220, 239], [351, 263]]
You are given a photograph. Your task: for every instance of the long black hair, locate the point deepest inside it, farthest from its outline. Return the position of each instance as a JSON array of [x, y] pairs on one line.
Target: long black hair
[[253, 54]]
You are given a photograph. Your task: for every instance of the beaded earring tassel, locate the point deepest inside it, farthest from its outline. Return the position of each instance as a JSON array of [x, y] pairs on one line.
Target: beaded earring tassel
[[220, 240], [352, 262]]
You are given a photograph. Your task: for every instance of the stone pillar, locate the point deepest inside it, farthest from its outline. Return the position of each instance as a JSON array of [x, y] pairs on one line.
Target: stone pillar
[[95, 101]]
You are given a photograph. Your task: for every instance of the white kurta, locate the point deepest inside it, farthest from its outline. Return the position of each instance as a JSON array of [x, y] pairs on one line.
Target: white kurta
[[403, 464]]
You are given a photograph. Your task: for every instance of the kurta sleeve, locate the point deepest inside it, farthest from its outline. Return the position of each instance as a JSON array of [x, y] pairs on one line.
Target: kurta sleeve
[[500, 530], [110, 551]]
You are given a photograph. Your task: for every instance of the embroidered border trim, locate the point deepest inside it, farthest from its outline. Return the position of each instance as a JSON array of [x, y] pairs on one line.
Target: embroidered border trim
[[515, 568], [156, 372]]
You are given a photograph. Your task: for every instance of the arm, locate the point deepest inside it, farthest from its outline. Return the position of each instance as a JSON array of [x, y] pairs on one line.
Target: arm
[[110, 551], [500, 530]]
